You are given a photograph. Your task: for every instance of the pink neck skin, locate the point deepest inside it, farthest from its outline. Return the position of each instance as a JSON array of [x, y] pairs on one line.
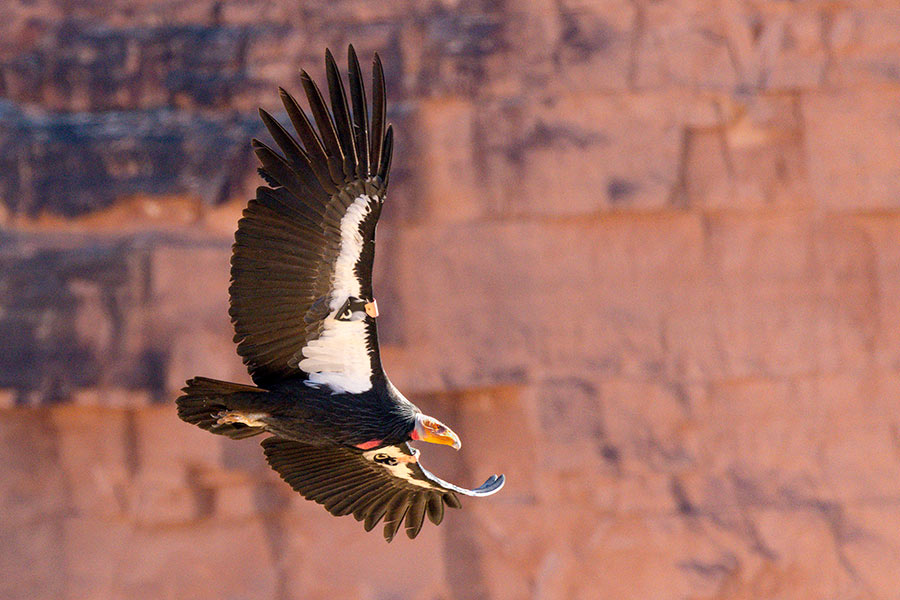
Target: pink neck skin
[[369, 445]]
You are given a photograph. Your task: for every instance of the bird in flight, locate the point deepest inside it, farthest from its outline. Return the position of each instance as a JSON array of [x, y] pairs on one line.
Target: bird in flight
[[304, 317]]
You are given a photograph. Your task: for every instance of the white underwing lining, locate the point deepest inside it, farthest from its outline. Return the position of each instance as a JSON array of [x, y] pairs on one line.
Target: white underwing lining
[[339, 357]]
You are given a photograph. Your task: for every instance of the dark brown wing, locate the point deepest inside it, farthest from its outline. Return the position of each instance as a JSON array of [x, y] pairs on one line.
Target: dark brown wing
[[303, 251], [385, 482]]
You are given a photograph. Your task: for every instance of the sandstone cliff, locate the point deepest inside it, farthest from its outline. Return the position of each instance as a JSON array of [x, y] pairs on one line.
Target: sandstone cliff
[[642, 256]]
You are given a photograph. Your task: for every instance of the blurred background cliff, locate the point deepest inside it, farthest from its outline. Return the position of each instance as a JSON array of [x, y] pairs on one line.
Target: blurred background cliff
[[644, 256]]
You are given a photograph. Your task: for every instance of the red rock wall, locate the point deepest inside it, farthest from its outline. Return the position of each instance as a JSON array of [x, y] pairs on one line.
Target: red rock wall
[[643, 256]]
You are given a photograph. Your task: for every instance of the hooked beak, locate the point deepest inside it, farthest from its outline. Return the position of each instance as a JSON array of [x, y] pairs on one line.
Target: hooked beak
[[429, 429]]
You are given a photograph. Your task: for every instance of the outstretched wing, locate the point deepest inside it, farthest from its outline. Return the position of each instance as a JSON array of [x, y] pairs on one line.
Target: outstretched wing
[[301, 267], [385, 482]]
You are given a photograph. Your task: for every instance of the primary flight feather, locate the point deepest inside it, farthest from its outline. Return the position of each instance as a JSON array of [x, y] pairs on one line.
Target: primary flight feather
[[304, 317]]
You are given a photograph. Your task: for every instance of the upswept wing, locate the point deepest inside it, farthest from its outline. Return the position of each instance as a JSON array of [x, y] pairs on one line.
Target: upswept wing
[[386, 482], [301, 267]]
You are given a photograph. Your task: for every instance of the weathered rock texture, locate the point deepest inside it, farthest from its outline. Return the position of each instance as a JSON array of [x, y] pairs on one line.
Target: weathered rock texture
[[643, 256]]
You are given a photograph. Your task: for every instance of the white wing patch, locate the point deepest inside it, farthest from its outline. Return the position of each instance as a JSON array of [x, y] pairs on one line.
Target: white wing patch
[[397, 462], [339, 357]]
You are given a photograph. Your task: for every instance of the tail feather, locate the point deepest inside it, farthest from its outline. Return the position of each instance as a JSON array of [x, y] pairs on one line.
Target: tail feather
[[203, 399]]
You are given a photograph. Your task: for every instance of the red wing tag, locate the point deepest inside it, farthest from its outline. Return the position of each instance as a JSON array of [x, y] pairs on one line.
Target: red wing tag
[[372, 308]]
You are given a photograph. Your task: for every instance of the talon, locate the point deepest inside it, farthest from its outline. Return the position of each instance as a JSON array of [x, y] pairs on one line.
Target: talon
[[229, 417]]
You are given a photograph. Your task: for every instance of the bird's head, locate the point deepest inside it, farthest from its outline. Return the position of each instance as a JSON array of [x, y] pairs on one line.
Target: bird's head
[[429, 429]]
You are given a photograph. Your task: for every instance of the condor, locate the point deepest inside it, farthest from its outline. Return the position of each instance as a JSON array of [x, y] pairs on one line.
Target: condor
[[304, 317]]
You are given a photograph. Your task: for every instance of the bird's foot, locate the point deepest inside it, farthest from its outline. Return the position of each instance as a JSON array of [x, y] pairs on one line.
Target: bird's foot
[[230, 417]]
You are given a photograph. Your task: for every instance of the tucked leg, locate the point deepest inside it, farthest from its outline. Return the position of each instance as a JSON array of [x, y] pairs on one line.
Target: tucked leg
[[250, 419]]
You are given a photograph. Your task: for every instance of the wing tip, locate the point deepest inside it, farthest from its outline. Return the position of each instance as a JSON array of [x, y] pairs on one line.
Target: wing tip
[[491, 486]]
